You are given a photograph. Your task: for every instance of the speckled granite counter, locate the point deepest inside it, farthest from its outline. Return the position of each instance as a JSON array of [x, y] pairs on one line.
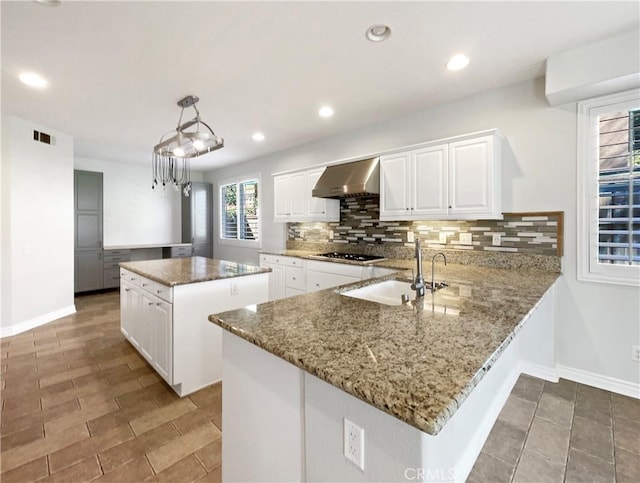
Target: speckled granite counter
[[180, 271], [417, 364]]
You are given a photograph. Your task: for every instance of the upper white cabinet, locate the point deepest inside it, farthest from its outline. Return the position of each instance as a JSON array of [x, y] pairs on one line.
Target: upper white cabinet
[[460, 179], [293, 201]]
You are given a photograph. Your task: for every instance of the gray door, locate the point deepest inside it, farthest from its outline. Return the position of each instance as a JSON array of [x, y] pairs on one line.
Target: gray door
[[88, 230], [197, 219]]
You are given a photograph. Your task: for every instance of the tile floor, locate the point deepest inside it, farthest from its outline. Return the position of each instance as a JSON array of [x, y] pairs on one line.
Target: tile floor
[[561, 432], [80, 404]]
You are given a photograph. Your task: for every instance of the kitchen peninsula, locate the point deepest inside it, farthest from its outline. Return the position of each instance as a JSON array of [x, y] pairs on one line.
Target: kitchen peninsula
[[425, 382], [164, 307]]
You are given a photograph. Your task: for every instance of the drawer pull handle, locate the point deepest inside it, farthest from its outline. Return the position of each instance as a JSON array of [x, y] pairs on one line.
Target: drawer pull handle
[[158, 303], [145, 284], [158, 291], [126, 289], [150, 303], [317, 284]]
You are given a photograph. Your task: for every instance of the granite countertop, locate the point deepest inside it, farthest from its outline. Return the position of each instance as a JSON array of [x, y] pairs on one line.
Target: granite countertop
[[417, 364], [180, 271]]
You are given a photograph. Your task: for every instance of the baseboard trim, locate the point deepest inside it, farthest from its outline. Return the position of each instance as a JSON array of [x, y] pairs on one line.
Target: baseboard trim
[[596, 380], [541, 372], [36, 321]]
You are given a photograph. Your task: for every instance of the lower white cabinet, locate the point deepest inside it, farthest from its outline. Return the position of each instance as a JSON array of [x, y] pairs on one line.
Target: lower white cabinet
[[169, 326], [292, 276], [147, 322]]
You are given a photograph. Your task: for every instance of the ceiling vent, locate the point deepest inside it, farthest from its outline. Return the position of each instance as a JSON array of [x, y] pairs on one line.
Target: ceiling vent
[[44, 138]]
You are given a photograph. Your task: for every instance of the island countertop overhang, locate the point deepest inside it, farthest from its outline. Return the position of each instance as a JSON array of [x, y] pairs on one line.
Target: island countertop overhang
[[181, 271]]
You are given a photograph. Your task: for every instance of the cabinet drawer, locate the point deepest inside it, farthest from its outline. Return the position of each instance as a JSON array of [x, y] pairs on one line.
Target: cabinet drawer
[[295, 278], [158, 290], [111, 278], [322, 280], [292, 292], [130, 277], [108, 258]]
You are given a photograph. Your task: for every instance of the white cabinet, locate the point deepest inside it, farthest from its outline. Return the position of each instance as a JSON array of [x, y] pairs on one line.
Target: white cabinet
[[323, 275], [290, 196], [187, 354], [293, 201], [460, 179], [287, 276], [147, 320], [130, 309], [474, 177]]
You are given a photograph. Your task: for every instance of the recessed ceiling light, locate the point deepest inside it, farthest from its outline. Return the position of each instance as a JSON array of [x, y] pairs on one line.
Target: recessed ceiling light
[[49, 3], [326, 111], [378, 33], [258, 136], [33, 80], [457, 62]]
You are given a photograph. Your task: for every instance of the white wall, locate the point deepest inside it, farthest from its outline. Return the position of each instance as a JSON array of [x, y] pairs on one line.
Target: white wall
[[135, 214], [37, 226], [597, 324]]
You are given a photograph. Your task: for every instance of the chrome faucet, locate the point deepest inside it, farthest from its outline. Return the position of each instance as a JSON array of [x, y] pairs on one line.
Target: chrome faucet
[[418, 283], [433, 269]]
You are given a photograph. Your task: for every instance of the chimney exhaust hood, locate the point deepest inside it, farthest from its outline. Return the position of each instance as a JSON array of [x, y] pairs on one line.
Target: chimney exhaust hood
[[357, 178]]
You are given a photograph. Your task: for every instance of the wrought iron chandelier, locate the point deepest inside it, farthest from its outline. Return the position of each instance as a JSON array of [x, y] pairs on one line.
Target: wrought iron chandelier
[[170, 158]]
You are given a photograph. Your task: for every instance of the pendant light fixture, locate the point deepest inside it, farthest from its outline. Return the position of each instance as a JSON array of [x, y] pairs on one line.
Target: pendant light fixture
[[170, 158]]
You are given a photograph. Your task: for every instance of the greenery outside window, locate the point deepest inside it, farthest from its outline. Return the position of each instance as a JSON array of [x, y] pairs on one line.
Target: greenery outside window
[[239, 212]]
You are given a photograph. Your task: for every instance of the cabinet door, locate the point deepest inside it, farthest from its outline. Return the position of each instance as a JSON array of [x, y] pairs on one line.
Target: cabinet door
[[471, 173], [277, 282], [88, 231], [394, 186], [162, 333], [144, 327], [429, 181], [320, 209], [299, 196], [129, 312], [281, 198]]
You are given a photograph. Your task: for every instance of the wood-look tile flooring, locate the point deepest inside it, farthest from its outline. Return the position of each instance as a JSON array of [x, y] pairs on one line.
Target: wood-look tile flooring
[[80, 404]]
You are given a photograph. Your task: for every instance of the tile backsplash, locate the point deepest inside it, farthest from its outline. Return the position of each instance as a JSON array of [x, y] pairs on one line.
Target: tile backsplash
[[531, 233]]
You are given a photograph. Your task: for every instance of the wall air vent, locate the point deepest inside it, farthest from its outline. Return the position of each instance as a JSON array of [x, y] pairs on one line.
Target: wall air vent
[[44, 138]]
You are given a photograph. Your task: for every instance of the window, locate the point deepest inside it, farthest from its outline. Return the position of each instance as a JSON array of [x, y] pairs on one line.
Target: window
[[239, 212], [609, 189]]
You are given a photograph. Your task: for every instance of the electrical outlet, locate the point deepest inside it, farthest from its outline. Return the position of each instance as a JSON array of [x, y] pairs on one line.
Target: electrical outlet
[[496, 240], [635, 353], [330, 234], [354, 443], [301, 233], [465, 239], [411, 237], [234, 288], [442, 237]]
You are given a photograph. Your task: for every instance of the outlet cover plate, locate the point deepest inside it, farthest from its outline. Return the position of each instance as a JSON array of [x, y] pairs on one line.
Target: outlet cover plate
[[465, 239], [496, 240], [354, 443], [635, 353], [442, 238]]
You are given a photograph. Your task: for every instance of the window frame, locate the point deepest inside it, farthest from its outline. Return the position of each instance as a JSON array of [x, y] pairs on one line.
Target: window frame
[[589, 269], [238, 242]]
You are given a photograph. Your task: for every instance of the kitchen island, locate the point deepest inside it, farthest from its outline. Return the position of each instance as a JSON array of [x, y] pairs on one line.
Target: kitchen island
[[164, 307], [425, 382]]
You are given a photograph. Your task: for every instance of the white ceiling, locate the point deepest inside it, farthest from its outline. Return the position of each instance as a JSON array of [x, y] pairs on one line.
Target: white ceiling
[[116, 69]]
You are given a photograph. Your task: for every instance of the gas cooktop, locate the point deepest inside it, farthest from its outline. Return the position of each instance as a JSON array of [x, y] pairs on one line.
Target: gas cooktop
[[350, 257]]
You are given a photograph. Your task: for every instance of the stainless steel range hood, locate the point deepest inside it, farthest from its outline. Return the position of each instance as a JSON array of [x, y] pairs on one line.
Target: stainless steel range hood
[[358, 178]]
